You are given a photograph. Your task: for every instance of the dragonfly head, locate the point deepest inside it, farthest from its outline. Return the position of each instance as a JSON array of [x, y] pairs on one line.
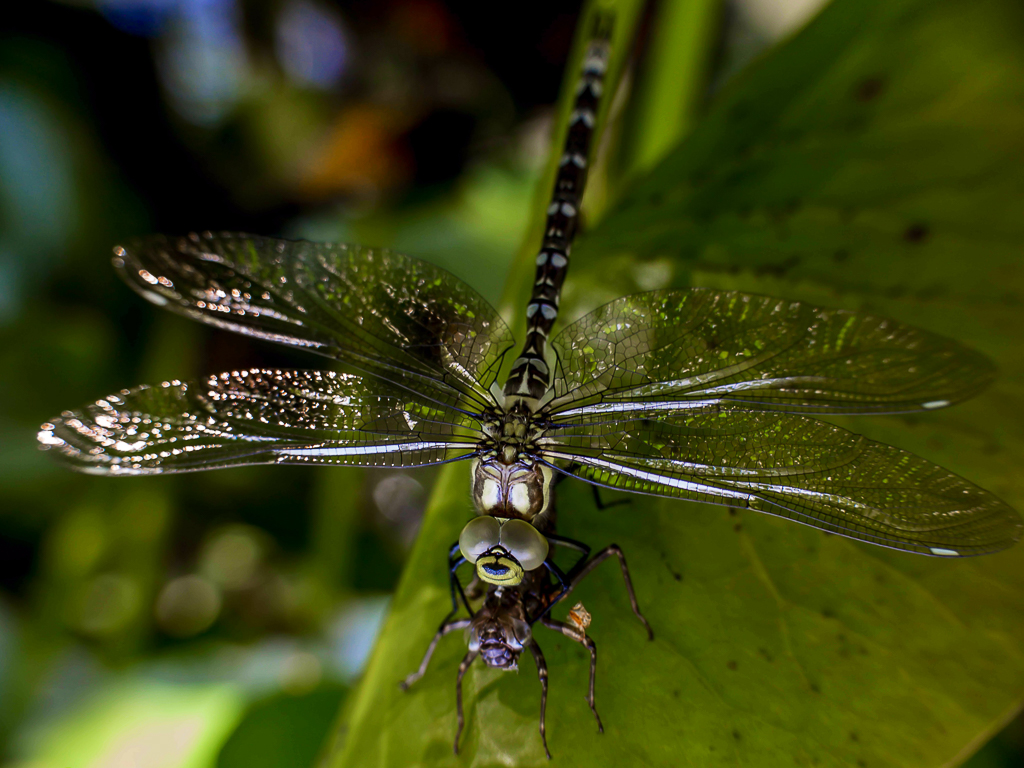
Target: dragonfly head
[[499, 630], [502, 549]]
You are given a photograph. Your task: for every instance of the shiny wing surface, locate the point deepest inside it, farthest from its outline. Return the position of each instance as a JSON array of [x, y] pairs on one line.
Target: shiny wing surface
[[395, 316], [667, 351], [795, 467], [258, 417]]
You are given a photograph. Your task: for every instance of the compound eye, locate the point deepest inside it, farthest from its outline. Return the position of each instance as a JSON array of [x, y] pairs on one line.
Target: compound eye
[[525, 543], [479, 535]]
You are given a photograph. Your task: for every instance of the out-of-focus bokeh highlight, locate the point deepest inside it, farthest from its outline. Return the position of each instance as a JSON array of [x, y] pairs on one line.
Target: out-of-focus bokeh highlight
[[216, 619]]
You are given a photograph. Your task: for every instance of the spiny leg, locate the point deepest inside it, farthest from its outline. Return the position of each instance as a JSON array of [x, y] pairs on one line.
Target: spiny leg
[[568, 543], [455, 559], [542, 673], [446, 627], [574, 634], [577, 574], [469, 659]]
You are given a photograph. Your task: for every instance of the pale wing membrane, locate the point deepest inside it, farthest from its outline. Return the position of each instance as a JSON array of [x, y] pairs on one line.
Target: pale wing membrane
[[258, 417], [383, 312], [794, 467], [669, 350]]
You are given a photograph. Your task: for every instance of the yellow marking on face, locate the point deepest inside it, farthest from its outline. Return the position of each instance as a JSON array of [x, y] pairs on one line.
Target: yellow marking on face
[[500, 570]]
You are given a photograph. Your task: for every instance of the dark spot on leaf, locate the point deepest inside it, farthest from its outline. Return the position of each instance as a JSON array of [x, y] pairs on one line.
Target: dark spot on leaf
[[736, 735], [777, 270], [828, 613], [764, 652], [854, 736], [869, 89], [675, 575], [738, 527], [733, 511], [915, 233], [841, 255], [815, 688], [731, 665], [861, 763], [676, 693]]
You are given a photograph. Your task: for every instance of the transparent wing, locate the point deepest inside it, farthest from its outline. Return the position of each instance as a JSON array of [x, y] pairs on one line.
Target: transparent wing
[[392, 315], [671, 350], [795, 467], [258, 417]]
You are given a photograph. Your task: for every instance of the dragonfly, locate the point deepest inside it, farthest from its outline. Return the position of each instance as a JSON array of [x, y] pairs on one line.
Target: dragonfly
[[698, 394]]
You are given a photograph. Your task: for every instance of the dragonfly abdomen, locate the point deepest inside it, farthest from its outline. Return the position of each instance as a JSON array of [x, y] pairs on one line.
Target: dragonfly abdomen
[[531, 377]]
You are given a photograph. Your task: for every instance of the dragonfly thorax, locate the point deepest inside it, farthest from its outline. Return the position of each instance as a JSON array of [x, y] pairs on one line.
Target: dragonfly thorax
[[499, 629], [521, 489], [508, 481]]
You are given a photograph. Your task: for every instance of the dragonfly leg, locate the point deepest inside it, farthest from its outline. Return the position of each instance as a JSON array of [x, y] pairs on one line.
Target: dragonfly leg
[[606, 505], [564, 587], [446, 627], [580, 572], [542, 673], [469, 659], [455, 559], [580, 637], [568, 543]]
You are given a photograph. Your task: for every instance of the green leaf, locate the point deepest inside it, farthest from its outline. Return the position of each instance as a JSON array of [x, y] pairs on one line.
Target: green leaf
[[880, 150], [283, 731], [873, 162]]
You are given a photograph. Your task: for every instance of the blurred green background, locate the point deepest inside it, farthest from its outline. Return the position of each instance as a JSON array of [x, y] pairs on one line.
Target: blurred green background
[[217, 619]]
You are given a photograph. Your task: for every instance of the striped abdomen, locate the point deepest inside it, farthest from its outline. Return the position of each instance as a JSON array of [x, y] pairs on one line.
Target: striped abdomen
[[530, 376]]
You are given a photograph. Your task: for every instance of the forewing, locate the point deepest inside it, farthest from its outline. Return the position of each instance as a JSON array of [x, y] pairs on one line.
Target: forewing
[[671, 350], [795, 467], [380, 311], [257, 417]]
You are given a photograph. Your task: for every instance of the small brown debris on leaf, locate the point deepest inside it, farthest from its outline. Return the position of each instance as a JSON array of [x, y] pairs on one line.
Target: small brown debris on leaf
[[579, 617]]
